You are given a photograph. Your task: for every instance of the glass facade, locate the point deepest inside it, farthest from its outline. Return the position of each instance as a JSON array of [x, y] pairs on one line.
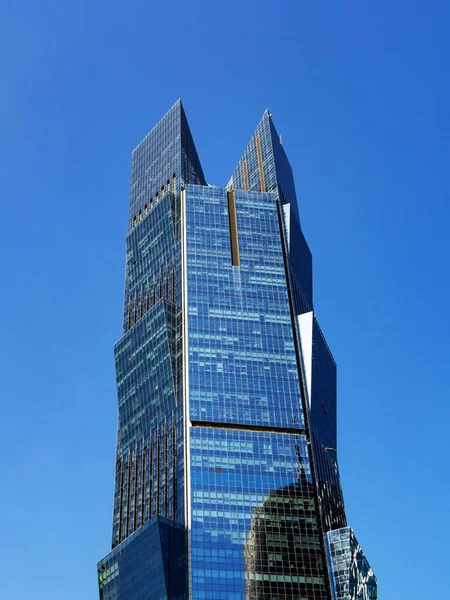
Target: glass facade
[[227, 482], [241, 356], [350, 573], [148, 565], [255, 531]]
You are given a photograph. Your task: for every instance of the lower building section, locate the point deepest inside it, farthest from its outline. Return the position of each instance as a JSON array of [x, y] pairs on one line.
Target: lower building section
[[148, 565], [351, 576], [254, 524]]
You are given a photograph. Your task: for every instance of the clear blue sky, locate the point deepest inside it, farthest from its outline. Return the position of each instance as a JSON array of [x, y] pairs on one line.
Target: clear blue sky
[[360, 92]]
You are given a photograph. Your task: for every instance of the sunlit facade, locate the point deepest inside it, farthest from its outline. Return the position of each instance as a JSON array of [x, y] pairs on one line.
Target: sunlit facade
[[227, 483]]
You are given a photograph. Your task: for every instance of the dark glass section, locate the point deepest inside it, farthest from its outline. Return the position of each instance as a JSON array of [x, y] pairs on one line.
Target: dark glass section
[[350, 573], [284, 176], [148, 565], [300, 263], [320, 375], [323, 389], [328, 484], [283, 555]]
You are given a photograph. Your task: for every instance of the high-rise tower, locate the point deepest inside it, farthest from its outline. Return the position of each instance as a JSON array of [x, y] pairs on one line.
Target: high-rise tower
[[227, 484]]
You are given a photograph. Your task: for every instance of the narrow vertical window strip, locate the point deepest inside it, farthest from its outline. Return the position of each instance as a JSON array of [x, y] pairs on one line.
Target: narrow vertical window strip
[[235, 261], [173, 281], [244, 168], [129, 312], [174, 469], [127, 523], [136, 479], [167, 282], [166, 471], [187, 159], [150, 478], [119, 525], [143, 483], [260, 164], [158, 473]]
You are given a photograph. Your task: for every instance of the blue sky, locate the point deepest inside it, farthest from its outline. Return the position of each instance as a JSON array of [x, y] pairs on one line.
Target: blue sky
[[360, 93]]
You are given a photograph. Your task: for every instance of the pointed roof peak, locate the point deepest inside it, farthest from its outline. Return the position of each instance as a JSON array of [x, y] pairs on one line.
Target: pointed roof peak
[[177, 106], [166, 154], [264, 165], [266, 115]]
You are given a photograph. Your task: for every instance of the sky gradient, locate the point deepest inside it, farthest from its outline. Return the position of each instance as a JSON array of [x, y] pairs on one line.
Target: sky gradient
[[360, 93]]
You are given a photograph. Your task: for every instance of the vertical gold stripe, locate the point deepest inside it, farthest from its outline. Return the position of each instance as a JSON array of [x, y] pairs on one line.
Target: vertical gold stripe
[[235, 261], [260, 163], [244, 166]]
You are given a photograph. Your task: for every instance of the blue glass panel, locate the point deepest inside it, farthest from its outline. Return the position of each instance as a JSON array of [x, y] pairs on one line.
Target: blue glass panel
[[148, 565], [242, 361], [145, 370], [254, 524]]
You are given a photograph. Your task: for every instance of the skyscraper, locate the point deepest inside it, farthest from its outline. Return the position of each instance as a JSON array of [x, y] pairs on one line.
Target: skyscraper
[[227, 484]]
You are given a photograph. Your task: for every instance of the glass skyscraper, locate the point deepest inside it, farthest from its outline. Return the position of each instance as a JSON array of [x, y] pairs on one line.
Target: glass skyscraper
[[226, 484]]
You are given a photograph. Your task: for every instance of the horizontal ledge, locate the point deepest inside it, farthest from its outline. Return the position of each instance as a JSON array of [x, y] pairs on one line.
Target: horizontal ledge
[[241, 427]]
